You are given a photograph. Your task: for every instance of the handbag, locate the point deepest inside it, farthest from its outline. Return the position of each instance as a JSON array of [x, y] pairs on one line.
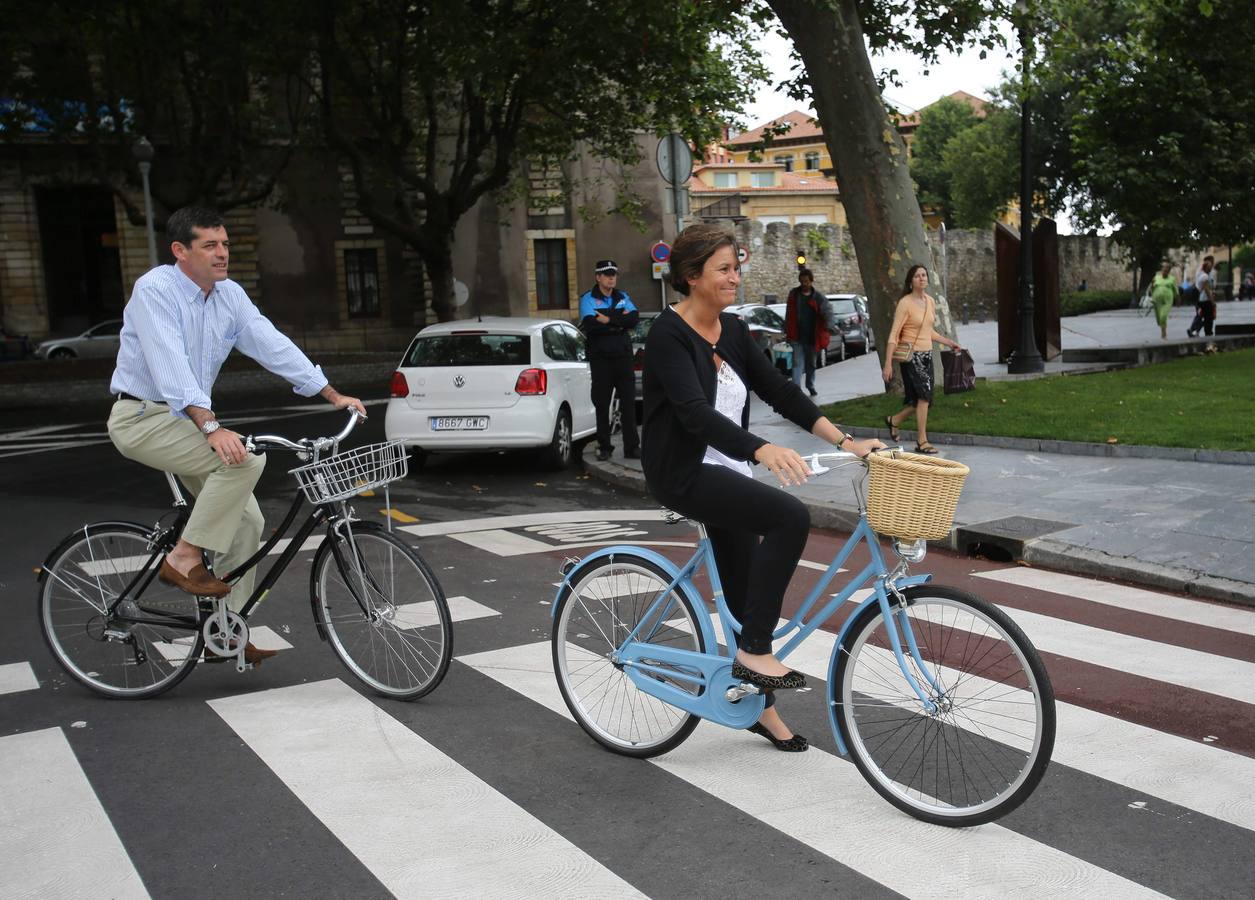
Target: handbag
[[902, 351], [960, 371]]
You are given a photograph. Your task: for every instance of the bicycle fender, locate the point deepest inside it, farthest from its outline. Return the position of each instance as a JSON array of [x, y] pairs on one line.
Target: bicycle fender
[[80, 532], [699, 607]]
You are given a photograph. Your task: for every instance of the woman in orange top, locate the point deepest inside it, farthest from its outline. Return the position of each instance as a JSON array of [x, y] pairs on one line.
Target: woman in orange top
[[913, 324]]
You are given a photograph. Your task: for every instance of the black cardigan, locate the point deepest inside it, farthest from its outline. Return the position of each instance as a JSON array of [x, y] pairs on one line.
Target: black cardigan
[[680, 418]]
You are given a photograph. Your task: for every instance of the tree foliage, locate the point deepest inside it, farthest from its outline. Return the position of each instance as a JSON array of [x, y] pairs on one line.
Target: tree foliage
[[214, 88], [436, 105], [983, 166], [1146, 119], [939, 124]]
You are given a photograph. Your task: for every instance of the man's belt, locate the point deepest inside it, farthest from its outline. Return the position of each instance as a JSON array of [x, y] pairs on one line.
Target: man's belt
[[123, 395]]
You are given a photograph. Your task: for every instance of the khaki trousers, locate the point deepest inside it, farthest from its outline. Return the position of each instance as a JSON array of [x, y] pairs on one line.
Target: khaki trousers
[[225, 518]]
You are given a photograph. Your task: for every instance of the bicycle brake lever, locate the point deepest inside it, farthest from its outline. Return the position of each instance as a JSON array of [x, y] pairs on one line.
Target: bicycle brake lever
[[814, 465]]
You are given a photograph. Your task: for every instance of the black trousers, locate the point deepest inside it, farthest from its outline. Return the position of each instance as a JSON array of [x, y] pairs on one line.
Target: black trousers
[[1204, 317], [615, 374], [758, 533]]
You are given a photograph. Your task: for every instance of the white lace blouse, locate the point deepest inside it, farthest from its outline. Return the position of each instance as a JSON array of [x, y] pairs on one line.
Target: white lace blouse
[[730, 394]]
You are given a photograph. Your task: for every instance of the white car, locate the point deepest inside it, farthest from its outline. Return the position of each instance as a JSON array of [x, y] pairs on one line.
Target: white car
[[493, 383]]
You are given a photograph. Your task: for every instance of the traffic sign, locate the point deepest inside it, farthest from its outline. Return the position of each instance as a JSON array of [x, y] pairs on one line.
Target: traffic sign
[[742, 255], [675, 159], [661, 270], [660, 252]]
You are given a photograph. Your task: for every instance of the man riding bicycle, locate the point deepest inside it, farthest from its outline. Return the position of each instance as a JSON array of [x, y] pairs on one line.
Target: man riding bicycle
[[180, 324]]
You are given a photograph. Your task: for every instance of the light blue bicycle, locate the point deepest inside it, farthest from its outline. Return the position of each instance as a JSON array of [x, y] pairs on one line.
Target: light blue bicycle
[[939, 698]]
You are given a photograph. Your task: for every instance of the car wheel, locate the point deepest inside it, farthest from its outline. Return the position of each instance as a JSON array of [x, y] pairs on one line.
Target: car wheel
[[418, 460], [61, 353], [559, 452]]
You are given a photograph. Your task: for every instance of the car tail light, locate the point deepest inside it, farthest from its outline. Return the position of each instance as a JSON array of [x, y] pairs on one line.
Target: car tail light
[[638, 361], [532, 381], [400, 387]]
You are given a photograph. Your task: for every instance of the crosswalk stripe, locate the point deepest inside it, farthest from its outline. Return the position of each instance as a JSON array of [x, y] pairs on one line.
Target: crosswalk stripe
[[58, 841], [1199, 776], [1230, 618], [411, 814], [19, 676], [837, 813], [490, 523], [502, 543]]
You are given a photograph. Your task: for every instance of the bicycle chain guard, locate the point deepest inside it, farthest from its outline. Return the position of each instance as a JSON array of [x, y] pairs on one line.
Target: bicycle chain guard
[[226, 634]]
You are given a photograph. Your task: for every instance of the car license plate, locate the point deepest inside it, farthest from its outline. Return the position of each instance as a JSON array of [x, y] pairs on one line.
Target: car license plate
[[459, 423]]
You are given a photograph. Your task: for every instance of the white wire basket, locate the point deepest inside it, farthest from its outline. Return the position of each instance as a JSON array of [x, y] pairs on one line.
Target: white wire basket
[[350, 473]]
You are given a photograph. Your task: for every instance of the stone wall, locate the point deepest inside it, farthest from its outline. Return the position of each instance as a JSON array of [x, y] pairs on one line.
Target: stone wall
[[969, 262]]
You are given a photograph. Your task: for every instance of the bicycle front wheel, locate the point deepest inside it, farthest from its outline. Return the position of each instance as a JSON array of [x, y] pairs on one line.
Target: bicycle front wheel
[[383, 612], [604, 600], [984, 745], [135, 647]]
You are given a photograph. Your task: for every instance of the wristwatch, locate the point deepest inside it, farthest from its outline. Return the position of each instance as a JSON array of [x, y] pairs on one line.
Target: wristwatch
[[844, 438], [210, 427]]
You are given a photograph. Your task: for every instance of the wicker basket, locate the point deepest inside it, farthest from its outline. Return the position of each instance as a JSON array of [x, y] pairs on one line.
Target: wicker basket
[[347, 474], [912, 496]]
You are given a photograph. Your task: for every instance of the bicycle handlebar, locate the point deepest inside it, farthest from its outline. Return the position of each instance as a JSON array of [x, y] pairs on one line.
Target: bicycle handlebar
[[812, 459], [305, 446]]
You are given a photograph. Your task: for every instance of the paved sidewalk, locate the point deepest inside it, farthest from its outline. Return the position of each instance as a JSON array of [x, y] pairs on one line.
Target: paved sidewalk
[[1182, 525]]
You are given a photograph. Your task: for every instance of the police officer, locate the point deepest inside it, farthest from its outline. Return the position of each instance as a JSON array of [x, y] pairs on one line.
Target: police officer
[[607, 317]]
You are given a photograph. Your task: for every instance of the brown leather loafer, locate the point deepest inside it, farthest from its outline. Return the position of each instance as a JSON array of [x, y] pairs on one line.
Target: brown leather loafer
[[198, 581], [252, 655]]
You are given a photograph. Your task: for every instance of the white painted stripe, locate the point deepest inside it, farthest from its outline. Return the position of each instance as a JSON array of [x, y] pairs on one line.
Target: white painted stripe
[[550, 518], [815, 798], [503, 543], [58, 841], [311, 544], [116, 565], [1239, 619], [400, 805], [1202, 777], [421, 615], [263, 637], [15, 677]]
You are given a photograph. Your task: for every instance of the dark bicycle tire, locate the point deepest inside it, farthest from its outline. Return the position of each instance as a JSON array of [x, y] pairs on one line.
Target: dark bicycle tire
[[400, 648], [80, 578], [985, 749], [603, 599]]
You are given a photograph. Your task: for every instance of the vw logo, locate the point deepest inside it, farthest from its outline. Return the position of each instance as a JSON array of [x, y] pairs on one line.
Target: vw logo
[[459, 381]]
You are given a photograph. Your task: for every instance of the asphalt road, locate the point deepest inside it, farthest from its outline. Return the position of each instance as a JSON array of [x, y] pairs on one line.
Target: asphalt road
[[289, 781]]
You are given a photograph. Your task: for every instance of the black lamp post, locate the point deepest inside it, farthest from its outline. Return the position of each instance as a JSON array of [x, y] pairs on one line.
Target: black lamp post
[[1027, 359], [144, 154]]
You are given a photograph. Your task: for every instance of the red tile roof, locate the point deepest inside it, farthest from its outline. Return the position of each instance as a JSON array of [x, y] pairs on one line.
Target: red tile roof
[[803, 126]]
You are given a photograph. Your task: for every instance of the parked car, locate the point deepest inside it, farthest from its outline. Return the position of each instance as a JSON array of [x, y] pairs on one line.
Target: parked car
[[493, 384], [850, 315], [767, 328], [99, 340]]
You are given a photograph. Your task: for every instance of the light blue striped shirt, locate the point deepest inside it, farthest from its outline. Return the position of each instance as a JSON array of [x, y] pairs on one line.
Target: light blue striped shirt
[[175, 340]]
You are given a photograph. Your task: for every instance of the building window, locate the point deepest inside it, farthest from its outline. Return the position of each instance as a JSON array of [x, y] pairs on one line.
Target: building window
[[812, 161], [763, 179], [551, 283], [725, 179], [361, 278], [786, 160]]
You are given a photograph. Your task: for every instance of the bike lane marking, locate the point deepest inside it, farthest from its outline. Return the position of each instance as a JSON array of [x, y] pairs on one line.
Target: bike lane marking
[[18, 676]]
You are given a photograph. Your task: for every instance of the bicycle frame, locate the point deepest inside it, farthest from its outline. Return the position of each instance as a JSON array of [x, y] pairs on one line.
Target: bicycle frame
[[721, 698]]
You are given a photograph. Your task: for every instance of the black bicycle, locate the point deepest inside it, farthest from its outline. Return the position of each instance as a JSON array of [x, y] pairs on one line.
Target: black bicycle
[[119, 630]]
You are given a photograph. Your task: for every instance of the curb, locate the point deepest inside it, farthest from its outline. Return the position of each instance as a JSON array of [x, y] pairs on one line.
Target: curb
[[1039, 552]]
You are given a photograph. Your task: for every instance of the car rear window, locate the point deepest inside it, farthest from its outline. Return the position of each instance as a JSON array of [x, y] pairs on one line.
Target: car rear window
[[470, 350], [843, 307]]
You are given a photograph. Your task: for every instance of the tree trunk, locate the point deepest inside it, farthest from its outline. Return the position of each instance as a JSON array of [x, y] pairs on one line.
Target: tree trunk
[[437, 256], [869, 154]]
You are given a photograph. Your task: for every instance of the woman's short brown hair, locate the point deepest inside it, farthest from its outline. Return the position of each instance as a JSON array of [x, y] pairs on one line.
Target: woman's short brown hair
[[692, 248]]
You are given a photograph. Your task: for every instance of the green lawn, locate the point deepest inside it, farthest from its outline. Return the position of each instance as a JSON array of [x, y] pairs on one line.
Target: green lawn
[[1197, 402]]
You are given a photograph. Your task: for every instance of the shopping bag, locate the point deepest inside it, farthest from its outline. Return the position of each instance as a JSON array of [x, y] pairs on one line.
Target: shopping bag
[[960, 371]]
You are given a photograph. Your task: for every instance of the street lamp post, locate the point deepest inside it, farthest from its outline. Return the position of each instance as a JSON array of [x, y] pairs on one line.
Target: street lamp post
[[1027, 359], [144, 153]]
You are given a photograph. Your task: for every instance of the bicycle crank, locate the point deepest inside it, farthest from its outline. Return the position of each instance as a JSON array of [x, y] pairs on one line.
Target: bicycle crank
[[226, 634]]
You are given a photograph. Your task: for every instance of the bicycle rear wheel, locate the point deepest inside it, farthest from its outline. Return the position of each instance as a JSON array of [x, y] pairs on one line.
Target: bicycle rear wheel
[[986, 745], [604, 600], [383, 612], [147, 644]]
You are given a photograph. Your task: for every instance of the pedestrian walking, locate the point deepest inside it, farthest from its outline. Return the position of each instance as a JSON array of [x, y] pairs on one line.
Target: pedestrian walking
[[703, 367], [1163, 293], [911, 346], [1204, 298], [807, 320], [607, 317], [181, 323]]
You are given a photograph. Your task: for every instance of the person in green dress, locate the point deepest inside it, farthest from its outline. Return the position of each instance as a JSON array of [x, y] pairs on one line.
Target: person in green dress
[[1163, 293]]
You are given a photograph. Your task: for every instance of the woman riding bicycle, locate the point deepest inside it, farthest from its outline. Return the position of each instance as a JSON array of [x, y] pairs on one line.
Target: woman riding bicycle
[[697, 448]]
